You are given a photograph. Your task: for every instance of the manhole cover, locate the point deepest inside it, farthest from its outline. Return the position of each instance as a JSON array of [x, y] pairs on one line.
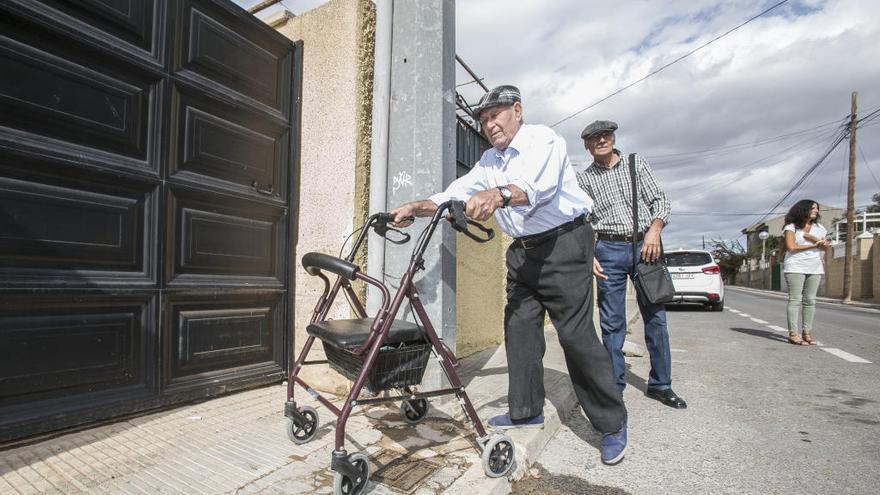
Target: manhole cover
[[400, 471]]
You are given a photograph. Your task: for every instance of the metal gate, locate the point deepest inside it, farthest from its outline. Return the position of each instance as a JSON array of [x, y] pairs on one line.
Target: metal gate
[[148, 166]]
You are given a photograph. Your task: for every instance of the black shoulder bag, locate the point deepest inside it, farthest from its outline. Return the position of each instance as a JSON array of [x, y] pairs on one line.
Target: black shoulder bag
[[652, 280]]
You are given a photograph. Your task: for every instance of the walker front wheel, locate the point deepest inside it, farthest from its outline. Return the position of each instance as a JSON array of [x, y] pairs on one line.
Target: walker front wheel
[[343, 485], [499, 455]]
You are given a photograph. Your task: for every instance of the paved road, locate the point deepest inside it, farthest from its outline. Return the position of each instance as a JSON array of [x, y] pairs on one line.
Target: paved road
[[764, 417]]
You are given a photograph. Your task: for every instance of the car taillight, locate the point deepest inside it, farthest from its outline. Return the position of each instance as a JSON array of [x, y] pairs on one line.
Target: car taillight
[[712, 269]]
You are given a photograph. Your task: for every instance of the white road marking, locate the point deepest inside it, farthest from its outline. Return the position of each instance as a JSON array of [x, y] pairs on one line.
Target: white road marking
[[745, 315], [762, 322], [733, 310], [845, 355], [778, 329]]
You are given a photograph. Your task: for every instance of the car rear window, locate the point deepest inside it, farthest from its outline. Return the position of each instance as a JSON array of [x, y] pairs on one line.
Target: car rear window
[[688, 259]]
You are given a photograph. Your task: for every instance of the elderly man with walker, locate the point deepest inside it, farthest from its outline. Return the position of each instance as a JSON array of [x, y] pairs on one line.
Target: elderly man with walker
[[526, 181]]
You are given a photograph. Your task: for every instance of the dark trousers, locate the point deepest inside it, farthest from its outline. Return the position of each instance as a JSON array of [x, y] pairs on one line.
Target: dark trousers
[[556, 276]]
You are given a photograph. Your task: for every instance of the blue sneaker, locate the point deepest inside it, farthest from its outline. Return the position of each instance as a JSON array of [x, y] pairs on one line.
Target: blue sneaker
[[614, 446], [503, 422]]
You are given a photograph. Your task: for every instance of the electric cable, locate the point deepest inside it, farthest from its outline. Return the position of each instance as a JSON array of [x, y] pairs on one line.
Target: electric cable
[[704, 45], [839, 138], [752, 144], [865, 161]]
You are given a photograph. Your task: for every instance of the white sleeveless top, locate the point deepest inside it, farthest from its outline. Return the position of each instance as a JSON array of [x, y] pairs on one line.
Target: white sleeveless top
[[808, 261]]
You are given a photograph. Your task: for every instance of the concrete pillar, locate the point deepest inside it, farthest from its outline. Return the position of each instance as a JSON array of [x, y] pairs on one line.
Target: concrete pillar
[[421, 152]]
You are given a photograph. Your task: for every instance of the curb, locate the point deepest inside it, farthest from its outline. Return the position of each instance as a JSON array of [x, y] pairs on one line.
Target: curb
[[559, 404], [828, 300]]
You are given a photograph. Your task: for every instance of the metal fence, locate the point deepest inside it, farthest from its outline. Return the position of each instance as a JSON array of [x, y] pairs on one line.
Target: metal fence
[[470, 145]]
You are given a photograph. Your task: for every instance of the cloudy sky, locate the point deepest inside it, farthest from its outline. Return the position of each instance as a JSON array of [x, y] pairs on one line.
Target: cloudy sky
[[730, 129]]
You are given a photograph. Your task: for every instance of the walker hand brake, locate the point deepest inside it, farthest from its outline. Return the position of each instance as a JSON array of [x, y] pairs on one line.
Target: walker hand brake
[[381, 227], [460, 222]]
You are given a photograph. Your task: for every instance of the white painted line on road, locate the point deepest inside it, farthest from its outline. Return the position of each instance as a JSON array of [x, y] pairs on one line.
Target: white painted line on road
[[778, 329], [762, 322], [745, 315], [845, 355], [733, 310]]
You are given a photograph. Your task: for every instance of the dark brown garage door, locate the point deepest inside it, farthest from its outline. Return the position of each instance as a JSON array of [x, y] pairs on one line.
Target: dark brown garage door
[[148, 165]]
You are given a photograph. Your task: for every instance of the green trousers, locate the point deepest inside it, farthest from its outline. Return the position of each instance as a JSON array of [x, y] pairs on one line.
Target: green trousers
[[802, 288]]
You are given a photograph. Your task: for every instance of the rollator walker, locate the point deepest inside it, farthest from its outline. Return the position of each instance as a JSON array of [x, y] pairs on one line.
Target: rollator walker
[[383, 353]]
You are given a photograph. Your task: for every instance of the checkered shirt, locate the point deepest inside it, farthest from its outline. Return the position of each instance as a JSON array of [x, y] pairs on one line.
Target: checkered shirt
[[611, 189]]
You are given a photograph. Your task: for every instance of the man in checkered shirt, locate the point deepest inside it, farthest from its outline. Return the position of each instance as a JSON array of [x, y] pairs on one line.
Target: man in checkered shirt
[[607, 180]]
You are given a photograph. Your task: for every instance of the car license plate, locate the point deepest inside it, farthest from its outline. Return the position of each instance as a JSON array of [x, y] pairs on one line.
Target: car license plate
[[682, 275]]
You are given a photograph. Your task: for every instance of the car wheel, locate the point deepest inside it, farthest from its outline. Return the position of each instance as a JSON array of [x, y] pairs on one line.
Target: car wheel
[[719, 306]]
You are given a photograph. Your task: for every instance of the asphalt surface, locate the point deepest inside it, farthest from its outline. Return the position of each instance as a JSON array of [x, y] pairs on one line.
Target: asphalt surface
[[764, 416]]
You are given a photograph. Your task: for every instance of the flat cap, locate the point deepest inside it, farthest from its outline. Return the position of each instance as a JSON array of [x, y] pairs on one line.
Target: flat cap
[[597, 127], [496, 97]]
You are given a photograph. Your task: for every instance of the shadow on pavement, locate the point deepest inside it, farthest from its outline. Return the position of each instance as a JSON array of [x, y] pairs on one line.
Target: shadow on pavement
[[767, 334]]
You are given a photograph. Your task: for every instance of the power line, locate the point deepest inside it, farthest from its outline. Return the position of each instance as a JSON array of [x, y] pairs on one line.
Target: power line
[[752, 144], [865, 160], [840, 137], [704, 45], [760, 161], [720, 214]]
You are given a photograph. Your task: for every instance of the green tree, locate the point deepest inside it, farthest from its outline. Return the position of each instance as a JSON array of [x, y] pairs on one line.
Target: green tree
[[874, 208], [730, 256]]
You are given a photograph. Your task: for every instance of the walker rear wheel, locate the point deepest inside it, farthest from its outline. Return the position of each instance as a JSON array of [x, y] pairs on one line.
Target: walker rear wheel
[[303, 432], [414, 411]]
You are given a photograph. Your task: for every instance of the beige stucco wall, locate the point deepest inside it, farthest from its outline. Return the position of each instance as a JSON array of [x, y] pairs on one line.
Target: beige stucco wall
[[334, 159], [480, 291]]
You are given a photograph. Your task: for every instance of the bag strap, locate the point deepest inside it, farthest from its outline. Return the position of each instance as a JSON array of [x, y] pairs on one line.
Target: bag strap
[[635, 208]]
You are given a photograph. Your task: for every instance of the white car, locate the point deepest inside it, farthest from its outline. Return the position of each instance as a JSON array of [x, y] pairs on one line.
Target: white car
[[696, 277]]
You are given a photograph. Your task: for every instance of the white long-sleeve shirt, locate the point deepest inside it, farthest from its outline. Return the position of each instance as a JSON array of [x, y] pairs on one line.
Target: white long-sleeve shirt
[[536, 161]]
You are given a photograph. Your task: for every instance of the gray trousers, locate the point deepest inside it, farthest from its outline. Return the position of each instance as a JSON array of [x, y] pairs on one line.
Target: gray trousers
[[802, 289], [556, 277]]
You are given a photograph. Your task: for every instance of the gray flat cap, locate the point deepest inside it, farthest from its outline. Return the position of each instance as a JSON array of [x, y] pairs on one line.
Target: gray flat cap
[[496, 97], [597, 127]]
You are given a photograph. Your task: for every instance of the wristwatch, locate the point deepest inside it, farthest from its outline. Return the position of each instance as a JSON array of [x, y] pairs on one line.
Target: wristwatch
[[505, 195]]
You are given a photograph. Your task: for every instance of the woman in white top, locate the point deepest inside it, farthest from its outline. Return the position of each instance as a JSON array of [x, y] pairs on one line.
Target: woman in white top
[[803, 237]]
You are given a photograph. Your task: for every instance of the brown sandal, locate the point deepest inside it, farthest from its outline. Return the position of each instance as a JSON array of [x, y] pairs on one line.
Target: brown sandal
[[808, 338], [795, 338]]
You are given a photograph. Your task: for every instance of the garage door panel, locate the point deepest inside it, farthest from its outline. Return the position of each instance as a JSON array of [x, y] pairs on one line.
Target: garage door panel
[[137, 23], [208, 338], [48, 96], [222, 241], [53, 346], [73, 231], [226, 50], [228, 148]]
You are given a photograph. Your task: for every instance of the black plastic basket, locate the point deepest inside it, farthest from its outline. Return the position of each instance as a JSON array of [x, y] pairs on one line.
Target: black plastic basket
[[395, 367]]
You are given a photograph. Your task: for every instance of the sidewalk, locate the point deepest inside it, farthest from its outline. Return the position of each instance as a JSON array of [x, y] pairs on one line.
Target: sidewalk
[[237, 444]]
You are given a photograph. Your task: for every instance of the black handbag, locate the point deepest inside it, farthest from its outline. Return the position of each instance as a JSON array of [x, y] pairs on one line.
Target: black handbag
[[651, 280]]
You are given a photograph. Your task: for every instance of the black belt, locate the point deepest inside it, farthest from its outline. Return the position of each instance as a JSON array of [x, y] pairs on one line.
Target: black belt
[[531, 241], [619, 238]]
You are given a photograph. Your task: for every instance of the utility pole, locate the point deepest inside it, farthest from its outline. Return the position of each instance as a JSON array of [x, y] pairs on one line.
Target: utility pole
[[850, 206]]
